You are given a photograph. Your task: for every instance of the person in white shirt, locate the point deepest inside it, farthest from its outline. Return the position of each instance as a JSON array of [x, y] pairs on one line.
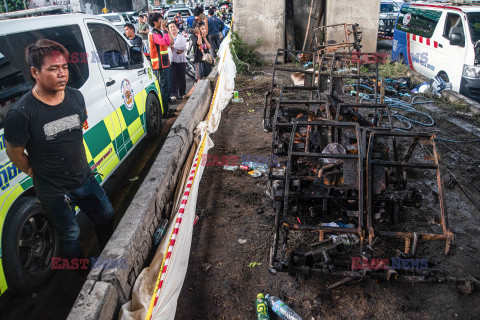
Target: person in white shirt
[[178, 63]]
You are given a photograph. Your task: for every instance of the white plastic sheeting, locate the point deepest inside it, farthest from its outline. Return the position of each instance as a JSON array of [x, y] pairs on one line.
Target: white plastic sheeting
[[171, 260]]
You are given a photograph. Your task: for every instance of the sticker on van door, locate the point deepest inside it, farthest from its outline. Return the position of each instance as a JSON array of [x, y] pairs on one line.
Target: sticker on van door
[[127, 94], [407, 18]]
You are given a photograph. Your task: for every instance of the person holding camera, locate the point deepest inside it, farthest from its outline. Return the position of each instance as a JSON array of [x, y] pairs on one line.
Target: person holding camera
[[202, 58]]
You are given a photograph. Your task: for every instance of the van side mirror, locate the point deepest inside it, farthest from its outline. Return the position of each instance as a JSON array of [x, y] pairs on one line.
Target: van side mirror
[[456, 36], [136, 57], [456, 39]]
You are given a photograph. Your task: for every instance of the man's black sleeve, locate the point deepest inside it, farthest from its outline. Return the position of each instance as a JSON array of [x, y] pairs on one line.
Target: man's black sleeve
[[16, 130], [81, 106]]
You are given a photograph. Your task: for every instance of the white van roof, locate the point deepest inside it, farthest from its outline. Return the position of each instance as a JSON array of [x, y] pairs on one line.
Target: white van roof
[[43, 22], [447, 6]]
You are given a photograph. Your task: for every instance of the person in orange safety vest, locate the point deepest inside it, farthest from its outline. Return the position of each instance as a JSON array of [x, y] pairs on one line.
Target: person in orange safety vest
[[159, 40]]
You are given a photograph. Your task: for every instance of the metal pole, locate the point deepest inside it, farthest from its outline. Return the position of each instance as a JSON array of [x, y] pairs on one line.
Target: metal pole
[[6, 8], [24, 5]]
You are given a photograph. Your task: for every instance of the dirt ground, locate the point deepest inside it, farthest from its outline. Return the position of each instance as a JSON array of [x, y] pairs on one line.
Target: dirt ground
[[222, 283]]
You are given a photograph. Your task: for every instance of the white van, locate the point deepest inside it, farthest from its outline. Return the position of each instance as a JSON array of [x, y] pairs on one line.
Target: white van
[[441, 40], [123, 104]]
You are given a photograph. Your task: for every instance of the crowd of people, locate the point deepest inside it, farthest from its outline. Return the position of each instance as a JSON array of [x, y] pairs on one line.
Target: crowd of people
[[165, 43]]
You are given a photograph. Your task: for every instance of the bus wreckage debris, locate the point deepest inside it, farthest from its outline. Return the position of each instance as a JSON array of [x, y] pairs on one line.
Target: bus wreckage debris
[[347, 184]]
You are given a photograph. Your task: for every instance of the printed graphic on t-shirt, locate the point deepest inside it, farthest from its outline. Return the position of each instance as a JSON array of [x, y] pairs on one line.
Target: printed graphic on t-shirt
[[53, 128]]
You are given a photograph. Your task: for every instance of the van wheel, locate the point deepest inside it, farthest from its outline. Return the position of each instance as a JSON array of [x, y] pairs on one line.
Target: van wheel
[[443, 76], [401, 59], [29, 242], [153, 117]]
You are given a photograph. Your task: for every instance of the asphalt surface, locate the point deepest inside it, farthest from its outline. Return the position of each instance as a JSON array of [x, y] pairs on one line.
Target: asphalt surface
[[55, 300]]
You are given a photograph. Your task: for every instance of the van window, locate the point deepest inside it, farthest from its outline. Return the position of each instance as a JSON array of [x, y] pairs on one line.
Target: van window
[[452, 20], [68, 36], [111, 47], [474, 25], [388, 8], [420, 22], [12, 81], [112, 19]]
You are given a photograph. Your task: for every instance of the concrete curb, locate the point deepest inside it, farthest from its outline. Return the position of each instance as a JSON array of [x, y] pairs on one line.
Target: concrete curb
[[106, 289]]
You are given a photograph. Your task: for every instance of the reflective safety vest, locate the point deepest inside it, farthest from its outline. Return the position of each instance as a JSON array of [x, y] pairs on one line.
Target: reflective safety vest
[[158, 53]]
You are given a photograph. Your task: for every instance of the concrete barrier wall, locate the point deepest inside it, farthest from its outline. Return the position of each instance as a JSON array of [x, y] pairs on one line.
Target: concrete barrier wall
[[255, 19], [106, 289]]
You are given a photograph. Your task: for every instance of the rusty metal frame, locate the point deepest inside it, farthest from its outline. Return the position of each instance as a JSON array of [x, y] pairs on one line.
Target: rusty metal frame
[[282, 208], [401, 165], [322, 47], [269, 101]]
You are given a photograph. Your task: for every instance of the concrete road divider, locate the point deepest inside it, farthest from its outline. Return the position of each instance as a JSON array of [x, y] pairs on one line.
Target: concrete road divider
[[107, 288]]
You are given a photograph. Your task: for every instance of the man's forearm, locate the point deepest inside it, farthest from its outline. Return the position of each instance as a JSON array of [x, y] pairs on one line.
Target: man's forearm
[[21, 162]]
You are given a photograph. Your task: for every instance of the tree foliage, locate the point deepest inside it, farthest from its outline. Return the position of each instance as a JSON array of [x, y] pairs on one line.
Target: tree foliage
[[13, 5]]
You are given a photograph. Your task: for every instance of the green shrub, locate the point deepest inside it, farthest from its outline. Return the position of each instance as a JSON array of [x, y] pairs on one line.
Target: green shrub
[[245, 55]]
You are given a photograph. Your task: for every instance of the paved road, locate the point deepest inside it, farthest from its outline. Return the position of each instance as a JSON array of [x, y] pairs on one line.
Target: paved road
[[56, 299]]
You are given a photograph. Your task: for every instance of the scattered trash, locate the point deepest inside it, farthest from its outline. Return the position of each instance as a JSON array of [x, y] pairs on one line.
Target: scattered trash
[[242, 241], [255, 173], [260, 210], [261, 307], [298, 78], [249, 94], [421, 88], [333, 148], [245, 168], [346, 239], [237, 100], [308, 64], [434, 86], [196, 220], [283, 311], [262, 167], [330, 224], [254, 264], [134, 179], [338, 224], [251, 110], [347, 70], [158, 235], [206, 266], [230, 168]]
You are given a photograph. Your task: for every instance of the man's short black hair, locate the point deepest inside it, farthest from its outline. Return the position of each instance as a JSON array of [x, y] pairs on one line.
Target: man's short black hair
[[168, 25], [130, 26], [40, 49], [154, 18], [211, 12], [198, 11]]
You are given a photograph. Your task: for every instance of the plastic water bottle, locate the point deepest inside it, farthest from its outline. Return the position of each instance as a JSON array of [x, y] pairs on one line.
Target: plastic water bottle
[[283, 311], [158, 235], [261, 307]]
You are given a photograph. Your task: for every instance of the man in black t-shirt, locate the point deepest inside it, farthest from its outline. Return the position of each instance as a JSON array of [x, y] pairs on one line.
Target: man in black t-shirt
[[47, 123], [131, 36]]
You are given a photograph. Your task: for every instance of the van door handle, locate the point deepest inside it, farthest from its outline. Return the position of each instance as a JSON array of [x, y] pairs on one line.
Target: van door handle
[[440, 45], [109, 83]]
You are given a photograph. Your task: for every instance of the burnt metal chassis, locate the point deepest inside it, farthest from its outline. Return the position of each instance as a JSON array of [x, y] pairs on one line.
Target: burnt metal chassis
[[411, 238], [270, 96], [367, 162]]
